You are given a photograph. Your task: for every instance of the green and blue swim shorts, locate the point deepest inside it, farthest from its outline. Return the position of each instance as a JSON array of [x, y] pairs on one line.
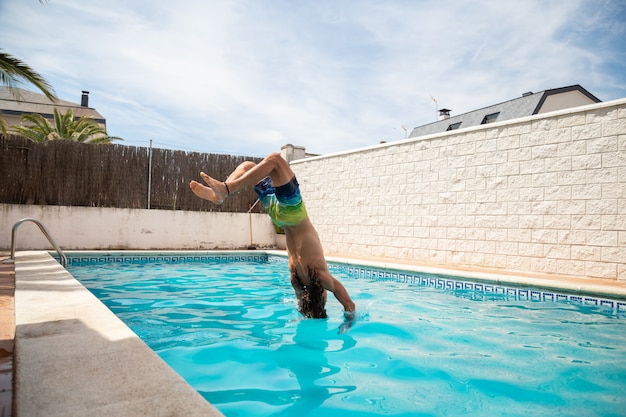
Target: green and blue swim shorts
[[283, 203]]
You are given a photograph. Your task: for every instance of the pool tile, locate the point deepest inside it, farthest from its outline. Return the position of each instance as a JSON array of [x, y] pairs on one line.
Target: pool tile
[[444, 283]]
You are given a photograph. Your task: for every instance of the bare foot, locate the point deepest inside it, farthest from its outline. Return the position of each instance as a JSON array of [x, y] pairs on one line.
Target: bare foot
[[215, 192]]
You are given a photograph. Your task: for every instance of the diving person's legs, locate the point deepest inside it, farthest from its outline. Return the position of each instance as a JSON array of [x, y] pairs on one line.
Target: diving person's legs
[[247, 174]]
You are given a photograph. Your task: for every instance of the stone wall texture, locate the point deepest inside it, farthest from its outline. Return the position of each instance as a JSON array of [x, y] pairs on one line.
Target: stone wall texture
[[543, 194]]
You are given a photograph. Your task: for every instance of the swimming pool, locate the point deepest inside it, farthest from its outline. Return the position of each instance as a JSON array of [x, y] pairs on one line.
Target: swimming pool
[[423, 345]]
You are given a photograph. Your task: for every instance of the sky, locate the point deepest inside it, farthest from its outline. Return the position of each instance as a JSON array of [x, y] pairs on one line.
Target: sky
[[246, 77]]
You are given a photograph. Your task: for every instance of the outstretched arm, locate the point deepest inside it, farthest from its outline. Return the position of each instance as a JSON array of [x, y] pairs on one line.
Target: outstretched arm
[[339, 291]]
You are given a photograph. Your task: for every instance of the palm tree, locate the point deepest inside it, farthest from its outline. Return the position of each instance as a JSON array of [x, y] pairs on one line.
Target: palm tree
[[14, 72], [65, 127]]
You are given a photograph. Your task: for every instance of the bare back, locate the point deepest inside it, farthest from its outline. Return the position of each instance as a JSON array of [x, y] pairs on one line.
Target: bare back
[[306, 259], [304, 249], [306, 256]]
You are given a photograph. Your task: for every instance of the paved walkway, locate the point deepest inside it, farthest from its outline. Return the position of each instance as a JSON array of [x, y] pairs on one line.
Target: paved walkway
[[74, 357]]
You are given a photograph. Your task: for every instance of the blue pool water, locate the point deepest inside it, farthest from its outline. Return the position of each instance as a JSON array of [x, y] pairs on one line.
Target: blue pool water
[[232, 331]]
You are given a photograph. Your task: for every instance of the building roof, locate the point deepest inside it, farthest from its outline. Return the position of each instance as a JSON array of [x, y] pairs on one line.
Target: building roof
[[526, 105], [28, 102]]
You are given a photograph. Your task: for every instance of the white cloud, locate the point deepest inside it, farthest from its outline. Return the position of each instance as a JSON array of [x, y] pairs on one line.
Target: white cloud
[[249, 76]]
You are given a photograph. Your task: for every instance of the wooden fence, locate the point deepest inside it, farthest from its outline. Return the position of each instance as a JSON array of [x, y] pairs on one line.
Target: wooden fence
[[67, 173]]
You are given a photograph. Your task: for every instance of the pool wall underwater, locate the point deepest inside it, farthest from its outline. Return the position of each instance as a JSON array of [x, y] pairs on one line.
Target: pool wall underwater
[[73, 354]]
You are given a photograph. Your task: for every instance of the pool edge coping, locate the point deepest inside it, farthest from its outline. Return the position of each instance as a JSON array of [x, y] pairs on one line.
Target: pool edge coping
[[51, 265], [589, 286], [576, 285], [73, 356]]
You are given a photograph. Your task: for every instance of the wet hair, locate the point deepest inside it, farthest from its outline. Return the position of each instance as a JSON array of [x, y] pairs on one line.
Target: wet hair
[[312, 303]]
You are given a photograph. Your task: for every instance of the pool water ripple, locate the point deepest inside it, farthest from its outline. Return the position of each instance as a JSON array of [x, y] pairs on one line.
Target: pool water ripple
[[232, 331]]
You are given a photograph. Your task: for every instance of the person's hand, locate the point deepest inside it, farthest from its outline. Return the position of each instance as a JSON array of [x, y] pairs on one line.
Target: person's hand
[[349, 318]]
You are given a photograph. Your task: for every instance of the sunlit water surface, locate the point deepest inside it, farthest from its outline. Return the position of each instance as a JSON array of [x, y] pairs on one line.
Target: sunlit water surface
[[233, 332]]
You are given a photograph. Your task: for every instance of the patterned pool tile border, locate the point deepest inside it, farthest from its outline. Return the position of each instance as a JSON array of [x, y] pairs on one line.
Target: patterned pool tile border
[[480, 289], [172, 259], [612, 306]]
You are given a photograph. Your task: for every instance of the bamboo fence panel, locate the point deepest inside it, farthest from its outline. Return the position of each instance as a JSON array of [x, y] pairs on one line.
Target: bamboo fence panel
[[69, 173]]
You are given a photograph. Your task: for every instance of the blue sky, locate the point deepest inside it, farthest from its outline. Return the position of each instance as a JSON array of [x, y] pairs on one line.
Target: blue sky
[[249, 76]]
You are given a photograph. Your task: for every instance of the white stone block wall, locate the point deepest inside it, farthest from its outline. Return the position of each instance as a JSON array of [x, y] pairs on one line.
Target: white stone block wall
[[543, 194]]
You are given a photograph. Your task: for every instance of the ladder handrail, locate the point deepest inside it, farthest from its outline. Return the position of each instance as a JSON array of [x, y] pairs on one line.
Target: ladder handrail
[[46, 234]]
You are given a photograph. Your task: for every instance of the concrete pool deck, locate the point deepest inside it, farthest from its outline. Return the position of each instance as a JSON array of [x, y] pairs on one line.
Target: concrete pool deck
[[74, 357]]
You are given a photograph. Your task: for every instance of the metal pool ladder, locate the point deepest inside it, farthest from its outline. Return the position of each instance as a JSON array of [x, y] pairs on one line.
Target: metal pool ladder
[[46, 234]]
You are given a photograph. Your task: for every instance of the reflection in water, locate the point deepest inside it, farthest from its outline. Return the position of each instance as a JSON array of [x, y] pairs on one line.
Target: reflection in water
[[426, 351], [305, 359]]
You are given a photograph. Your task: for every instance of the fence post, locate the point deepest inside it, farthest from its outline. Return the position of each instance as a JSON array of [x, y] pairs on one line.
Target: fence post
[[149, 173]]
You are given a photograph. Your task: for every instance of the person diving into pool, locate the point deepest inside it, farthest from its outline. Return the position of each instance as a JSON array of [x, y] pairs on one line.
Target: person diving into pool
[[276, 185]]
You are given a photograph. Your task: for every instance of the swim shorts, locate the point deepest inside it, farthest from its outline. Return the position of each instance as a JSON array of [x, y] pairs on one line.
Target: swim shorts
[[283, 203]]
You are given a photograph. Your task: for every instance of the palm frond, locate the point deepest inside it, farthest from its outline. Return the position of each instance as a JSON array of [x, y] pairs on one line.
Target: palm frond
[[14, 72]]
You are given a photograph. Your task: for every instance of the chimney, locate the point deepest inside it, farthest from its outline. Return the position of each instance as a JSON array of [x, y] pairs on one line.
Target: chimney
[[290, 152], [444, 114], [84, 100]]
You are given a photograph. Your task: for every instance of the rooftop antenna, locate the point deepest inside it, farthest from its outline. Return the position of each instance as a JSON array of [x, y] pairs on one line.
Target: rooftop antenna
[[435, 101]]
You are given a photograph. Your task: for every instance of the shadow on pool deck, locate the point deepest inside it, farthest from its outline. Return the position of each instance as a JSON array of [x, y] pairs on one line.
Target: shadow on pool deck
[[73, 356]]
